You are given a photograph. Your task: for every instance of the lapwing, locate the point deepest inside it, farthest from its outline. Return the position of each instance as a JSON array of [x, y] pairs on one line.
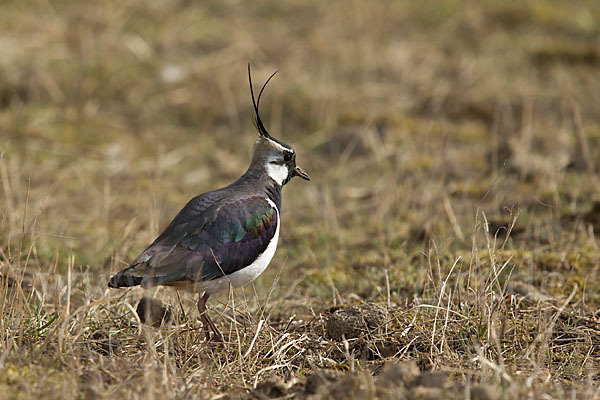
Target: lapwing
[[225, 237]]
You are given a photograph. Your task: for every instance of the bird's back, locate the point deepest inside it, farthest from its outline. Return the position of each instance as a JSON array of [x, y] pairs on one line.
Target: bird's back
[[215, 234]]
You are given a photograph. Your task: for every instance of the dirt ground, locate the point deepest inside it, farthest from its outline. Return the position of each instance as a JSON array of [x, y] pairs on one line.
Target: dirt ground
[[445, 247]]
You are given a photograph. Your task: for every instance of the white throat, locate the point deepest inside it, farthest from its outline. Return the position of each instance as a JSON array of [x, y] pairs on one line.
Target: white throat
[[277, 172]]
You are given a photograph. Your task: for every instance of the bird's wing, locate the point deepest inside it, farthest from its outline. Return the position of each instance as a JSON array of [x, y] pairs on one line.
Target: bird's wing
[[192, 211], [220, 240]]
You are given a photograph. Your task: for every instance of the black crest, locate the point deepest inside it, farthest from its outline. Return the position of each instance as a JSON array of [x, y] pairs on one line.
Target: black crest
[[260, 127]]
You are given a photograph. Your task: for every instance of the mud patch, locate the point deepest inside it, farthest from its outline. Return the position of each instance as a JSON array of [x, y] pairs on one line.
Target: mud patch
[[351, 322], [154, 312], [401, 380], [275, 387]]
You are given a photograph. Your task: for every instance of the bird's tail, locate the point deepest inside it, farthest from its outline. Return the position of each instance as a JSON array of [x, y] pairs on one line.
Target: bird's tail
[[124, 279]]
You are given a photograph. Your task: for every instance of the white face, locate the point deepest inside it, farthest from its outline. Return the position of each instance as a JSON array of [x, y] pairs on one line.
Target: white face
[[277, 172], [280, 161]]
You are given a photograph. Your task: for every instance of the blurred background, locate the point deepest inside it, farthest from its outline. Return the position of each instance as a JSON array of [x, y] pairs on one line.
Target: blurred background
[[417, 122], [409, 117]]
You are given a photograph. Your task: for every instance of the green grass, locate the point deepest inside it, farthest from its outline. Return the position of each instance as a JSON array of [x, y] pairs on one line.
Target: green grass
[[429, 129]]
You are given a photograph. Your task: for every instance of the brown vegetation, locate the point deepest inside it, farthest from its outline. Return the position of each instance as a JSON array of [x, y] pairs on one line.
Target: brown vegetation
[[445, 247]]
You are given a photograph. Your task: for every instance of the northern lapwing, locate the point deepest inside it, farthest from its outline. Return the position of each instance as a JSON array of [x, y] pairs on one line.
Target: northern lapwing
[[222, 238]]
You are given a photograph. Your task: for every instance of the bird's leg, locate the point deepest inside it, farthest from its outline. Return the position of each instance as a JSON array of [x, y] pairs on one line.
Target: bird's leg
[[217, 335], [207, 322], [204, 315]]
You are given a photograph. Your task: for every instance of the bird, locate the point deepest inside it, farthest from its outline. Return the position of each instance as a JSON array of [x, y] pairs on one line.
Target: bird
[[226, 237]]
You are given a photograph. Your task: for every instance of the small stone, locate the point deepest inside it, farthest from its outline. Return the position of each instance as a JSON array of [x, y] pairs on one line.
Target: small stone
[[350, 322], [320, 378], [154, 312]]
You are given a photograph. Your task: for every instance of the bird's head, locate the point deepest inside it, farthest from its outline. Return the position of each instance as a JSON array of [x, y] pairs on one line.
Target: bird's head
[[276, 158]]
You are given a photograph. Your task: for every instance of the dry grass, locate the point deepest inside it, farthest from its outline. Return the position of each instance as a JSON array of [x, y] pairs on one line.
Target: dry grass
[[454, 152]]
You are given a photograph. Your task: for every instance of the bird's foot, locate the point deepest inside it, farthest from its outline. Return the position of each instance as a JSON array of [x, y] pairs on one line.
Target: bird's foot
[[216, 338], [206, 334], [208, 326], [207, 323]]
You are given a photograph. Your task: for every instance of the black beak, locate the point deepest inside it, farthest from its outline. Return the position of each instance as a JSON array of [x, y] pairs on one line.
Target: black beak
[[298, 172]]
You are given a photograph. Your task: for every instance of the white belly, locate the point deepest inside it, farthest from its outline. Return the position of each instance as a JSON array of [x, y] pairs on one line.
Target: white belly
[[251, 272]]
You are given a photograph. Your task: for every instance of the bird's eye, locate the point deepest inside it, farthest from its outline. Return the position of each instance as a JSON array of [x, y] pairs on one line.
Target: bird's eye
[[287, 157]]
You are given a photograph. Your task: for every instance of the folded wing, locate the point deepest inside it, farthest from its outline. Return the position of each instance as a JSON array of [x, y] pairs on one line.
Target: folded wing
[[218, 241]]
